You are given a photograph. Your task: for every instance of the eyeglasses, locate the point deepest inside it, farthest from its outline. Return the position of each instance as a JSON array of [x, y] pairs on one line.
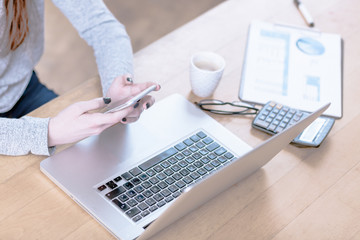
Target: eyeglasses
[[226, 108]]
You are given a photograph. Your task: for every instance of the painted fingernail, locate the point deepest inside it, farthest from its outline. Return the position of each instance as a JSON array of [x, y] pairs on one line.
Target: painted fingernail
[[107, 100], [147, 105], [136, 105], [124, 119]]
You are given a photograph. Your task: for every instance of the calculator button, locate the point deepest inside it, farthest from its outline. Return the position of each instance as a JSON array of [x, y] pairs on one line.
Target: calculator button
[[262, 117], [272, 127], [272, 104], [268, 119], [262, 124], [279, 129]]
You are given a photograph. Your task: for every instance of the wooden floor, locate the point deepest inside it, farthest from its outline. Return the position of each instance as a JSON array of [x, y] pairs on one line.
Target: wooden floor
[[68, 61]]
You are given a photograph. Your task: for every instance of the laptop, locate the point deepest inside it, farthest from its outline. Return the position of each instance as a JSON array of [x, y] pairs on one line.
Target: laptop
[[139, 178]]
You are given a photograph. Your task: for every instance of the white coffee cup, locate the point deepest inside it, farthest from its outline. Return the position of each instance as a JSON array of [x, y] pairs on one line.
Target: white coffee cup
[[206, 69]]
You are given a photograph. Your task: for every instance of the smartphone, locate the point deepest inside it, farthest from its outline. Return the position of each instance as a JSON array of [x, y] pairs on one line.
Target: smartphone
[[119, 105]]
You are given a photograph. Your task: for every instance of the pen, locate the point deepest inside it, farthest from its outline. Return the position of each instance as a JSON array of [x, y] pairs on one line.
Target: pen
[[304, 12]]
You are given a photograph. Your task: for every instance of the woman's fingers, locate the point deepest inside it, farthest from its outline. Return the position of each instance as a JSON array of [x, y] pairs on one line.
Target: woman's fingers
[[145, 103]]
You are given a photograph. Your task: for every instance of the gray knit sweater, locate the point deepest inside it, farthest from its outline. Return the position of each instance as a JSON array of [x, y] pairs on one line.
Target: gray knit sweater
[[95, 24]]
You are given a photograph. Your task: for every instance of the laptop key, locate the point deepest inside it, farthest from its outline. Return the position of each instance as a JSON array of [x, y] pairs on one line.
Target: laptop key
[[208, 140], [187, 180], [212, 156], [146, 185], [201, 134], [180, 184], [154, 180], [155, 189], [181, 146], [173, 188], [136, 181], [153, 208], [117, 179], [150, 201], [140, 198], [165, 193], [175, 168], [215, 163], [135, 171], [139, 189], [137, 218], [188, 142], [128, 185], [169, 172], [222, 159], [177, 176], [123, 198], [209, 167], [184, 172], [111, 184], [176, 194], [229, 155], [157, 159], [158, 197], [161, 203], [195, 138], [194, 175], [131, 193], [151, 173], [143, 206], [186, 152], [145, 213], [127, 176], [162, 185], [143, 176], [161, 176], [201, 171], [102, 187], [132, 212], [169, 180], [169, 199], [148, 193], [212, 146], [205, 160], [220, 151], [116, 192], [158, 168], [200, 144], [122, 206], [132, 203]]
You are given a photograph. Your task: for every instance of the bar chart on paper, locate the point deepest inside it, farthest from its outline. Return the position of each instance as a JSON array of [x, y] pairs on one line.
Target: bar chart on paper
[[299, 67]]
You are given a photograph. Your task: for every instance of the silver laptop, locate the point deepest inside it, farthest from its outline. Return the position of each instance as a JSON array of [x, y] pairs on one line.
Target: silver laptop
[[139, 178]]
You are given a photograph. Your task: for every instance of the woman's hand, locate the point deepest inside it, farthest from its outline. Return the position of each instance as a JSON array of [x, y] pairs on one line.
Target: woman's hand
[[76, 122], [123, 87]]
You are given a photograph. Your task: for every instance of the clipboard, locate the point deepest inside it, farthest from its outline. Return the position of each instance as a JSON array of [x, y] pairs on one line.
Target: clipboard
[[296, 66]]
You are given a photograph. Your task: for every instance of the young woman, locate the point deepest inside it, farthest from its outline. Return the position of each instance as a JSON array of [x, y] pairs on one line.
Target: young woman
[[21, 46]]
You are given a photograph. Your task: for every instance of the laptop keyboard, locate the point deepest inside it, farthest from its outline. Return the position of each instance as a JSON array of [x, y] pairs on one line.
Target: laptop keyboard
[[158, 181]]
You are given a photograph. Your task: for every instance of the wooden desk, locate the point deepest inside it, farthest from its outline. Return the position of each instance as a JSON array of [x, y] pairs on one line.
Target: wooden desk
[[300, 194]]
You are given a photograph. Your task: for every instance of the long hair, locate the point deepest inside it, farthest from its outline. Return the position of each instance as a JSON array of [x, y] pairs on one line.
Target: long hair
[[17, 22]]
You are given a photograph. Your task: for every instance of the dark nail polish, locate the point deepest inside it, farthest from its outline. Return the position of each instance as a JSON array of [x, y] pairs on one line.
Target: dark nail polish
[[136, 105], [107, 100], [124, 119], [147, 105]]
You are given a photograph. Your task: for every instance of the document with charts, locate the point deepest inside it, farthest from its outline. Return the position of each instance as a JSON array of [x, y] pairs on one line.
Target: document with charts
[[296, 66]]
